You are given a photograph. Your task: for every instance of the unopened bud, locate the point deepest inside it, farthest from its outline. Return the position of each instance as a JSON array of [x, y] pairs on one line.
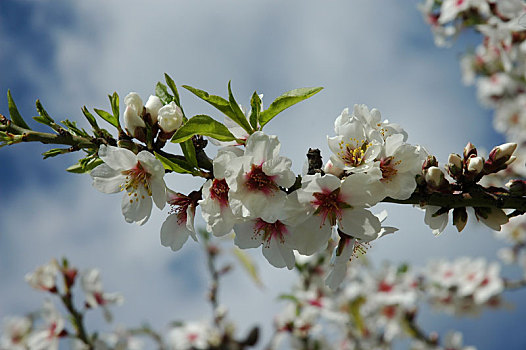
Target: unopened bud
[[430, 161], [454, 166], [504, 151], [133, 121], [170, 117], [434, 176], [134, 100], [152, 106], [470, 150], [330, 168], [511, 160], [475, 164]]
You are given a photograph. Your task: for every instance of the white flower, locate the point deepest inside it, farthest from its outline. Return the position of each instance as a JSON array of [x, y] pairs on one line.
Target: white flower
[[339, 262], [141, 176], [133, 112], [15, 333], [190, 336], [353, 148], [153, 106], [373, 119], [399, 163], [273, 233], [179, 225], [95, 296], [170, 117], [215, 207], [44, 277], [46, 338], [255, 178]]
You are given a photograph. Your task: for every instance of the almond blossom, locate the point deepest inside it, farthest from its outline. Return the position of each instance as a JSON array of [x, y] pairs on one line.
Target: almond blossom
[[95, 296], [255, 178], [179, 225], [140, 175], [47, 337]]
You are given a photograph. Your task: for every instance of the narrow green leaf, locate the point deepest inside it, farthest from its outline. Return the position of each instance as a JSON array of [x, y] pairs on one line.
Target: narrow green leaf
[[42, 112], [202, 125], [239, 117], [15, 116], [72, 126], [114, 101], [175, 165], [162, 92], [216, 101], [285, 101], [171, 84], [42, 120], [55, 152], [84, 168], [107, 117], [189, 152], [91, 119], [255, 104]]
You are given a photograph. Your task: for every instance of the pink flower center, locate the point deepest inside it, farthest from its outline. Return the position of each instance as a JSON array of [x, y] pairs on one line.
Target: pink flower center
[[329, 204], [135, 177], [385, 287], [192, 337], [257, 180], [267, 231], [219, 192], [459, 2], [389, 311], [388, 167], [180, 204]]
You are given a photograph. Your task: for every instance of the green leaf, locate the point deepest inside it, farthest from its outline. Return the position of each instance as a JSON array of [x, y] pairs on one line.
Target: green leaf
[[189, 152], [107, 117], [249, 265], [91, 119], [285, 101], [175, 165], [255, 104], [239, 117], [162, 92], [15, 116], [55, 152], [216, 101], [81, 168], [202, 125], [72, 126], [114, 102], [171, 84], [42, 112]]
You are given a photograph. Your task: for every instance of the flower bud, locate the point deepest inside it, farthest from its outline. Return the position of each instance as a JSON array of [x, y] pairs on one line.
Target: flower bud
[[170, 117], [132, 120], [504, 151], [460, 218], [454, 166], [434, 176], [494, 218], [430, 161], [470, 150], [134, 100], [330, 168], [152, 106], [475, 164]]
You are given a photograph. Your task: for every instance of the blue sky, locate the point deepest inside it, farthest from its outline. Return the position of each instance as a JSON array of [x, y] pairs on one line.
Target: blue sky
[[70, 54]]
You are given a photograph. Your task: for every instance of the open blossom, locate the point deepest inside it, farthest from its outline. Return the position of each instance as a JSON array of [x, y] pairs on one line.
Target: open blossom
[[47, 337], [254, 179], [95, 296], [399, 163], [15, 332], [354, 147], [141, 176], [44, 277], [215, 207], [179, 225], [273, 233], [192, 336]]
